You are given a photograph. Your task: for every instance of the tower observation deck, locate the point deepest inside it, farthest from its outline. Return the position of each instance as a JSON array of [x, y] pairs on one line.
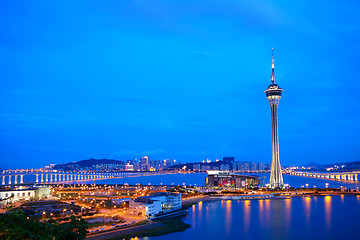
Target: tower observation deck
[[273, 94]]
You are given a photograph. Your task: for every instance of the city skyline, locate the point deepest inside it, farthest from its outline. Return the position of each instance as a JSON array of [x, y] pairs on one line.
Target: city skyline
[[176, 80]]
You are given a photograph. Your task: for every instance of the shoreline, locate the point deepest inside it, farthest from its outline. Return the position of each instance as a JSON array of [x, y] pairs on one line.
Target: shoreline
[[158, 227]]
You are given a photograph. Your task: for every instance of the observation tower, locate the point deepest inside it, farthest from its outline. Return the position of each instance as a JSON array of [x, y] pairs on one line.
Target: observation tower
[[273, 94]]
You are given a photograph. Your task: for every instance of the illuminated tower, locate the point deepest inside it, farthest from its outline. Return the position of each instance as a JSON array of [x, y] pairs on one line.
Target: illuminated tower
[[273, 94]]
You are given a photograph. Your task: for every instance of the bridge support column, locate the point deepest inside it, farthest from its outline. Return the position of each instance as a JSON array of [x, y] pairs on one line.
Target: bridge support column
[[355, 177], [9, 179], [350, 177], [15, 181], [51, 179], [343, 177], [37, 178], [3, 180], [41, 177], [21, 179], [46, 177]]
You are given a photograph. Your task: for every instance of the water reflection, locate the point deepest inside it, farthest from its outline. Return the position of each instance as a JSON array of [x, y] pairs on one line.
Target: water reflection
[[328, 207], [207, 213], [267, 213], [200, 207], [246, 215], [307, 202], [194, 215], [261, 212], [228, 216], [288, 212]]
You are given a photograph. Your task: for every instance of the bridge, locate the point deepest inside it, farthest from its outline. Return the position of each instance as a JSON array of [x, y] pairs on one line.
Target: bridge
[[345, 176], [13, 178]]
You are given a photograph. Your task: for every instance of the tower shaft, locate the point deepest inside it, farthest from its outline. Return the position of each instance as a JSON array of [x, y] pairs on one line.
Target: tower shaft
[[276, 179]]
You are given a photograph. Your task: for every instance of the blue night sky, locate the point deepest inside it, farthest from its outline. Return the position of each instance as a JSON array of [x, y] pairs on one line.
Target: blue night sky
[[177, 79]]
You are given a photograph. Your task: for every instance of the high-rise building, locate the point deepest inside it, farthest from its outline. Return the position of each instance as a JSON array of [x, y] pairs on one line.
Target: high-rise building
[[145, 163], [261, 166], [273, 94]]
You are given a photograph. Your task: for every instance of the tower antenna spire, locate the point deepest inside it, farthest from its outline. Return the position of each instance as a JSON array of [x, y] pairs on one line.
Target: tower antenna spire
[[272, 67]]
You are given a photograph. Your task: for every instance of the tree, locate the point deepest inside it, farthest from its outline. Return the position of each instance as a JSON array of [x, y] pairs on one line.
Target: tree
[[14, 224], [75, 229]]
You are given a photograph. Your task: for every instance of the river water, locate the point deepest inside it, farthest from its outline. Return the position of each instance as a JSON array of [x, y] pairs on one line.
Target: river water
[[320, 217]]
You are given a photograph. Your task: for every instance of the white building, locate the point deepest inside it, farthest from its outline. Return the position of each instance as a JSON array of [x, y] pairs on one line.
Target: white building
[[155, 204], [21, 193]]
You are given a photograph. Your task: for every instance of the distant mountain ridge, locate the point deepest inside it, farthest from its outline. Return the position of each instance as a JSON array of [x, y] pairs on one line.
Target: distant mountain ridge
[[88, 163]]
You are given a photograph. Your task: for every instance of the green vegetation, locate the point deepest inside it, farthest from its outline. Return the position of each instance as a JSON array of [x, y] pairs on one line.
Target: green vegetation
[[99, 224], [47, 202], [168, 226], [16, 225]]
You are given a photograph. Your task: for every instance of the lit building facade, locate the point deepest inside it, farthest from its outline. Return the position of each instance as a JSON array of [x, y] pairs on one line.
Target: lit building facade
[[226, 179]]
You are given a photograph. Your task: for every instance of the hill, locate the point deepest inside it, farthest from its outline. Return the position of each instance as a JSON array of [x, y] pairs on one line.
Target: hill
[[92, 164]]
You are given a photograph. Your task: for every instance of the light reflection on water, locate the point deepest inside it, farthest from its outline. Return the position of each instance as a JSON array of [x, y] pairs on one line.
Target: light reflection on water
[[261, 213], [290, 218], [327, 200], [307, 203], [228, 216], [288, 212], [267, 213], [247, 209]]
